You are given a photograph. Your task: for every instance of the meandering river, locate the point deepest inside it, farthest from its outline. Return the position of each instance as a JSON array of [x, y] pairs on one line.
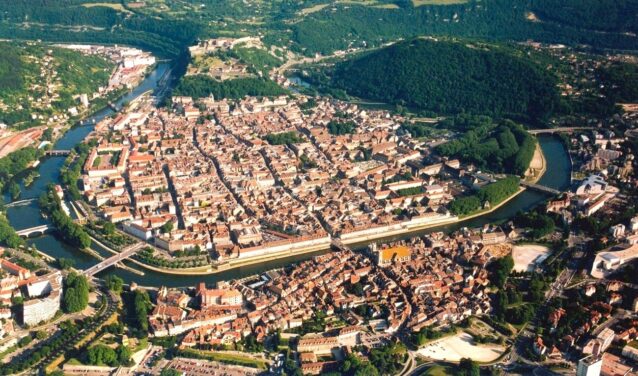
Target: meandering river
[[556, 176]]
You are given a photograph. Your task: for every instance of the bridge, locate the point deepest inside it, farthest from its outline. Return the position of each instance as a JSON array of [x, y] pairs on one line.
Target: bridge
[[541, 188], [26, 201], [126, 253], [338, 245], [558, 130], [55, 153], [34, 230]]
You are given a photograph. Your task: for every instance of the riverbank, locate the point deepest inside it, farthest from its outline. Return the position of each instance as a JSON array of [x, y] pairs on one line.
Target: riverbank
[[537, 166], [233, 264], [405, 230], [208, 270]]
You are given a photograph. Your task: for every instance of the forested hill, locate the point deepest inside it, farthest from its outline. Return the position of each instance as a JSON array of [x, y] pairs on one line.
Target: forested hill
[[600, 15], [451, 77], [598, 23], [105, 22]]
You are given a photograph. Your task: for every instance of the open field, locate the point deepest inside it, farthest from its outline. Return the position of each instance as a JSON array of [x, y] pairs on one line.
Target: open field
[[438, 370], [418, 3], [367, 3], [313, 9], [118, 7], [459, 346], [527, 256], [227, 358]]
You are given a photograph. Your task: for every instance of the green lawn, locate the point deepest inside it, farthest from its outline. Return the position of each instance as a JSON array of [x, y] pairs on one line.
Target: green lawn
[[437, 370], [418, 3], [225, 358]]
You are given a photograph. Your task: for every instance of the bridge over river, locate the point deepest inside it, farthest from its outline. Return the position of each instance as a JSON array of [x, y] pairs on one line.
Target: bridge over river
[[26, 232], [541, 188], [21, 202], [104, 264], [558, 130], [55, 153]]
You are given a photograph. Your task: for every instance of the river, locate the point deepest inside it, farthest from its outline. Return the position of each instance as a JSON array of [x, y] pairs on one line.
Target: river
[[556, 176]]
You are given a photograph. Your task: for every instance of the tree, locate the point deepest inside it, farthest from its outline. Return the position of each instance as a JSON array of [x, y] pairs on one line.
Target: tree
[[199, 86], [114, 283], [41, 334], [109, 228], [14, 190], [283, 138], [102, 355], [467, 367], [170, 372], [76, 293], [123, 354], [17, 300], [141, 305], [501, 269], [65, 263], [167, 227], [25, 341], [338, 128]]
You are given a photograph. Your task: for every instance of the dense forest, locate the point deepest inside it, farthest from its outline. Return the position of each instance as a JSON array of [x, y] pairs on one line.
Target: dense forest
[[450, 77], [603, 15], [16, 162], [620, 81], [344, 26], [500, 147], [200, 86], [168, 29], [10, 69], [492, 194]]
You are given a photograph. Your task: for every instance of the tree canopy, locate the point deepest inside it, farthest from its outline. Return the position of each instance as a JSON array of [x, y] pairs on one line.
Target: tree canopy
[[451, 77], [76, 293], [200, 86], [500, 147]]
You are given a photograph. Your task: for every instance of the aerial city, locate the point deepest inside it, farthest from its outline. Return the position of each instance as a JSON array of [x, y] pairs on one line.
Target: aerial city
[[319, 187]]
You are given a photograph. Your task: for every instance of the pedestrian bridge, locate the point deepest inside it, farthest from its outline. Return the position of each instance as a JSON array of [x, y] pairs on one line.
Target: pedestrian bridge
[[53, 153], [40, 230], [541, 188], [21, 202]]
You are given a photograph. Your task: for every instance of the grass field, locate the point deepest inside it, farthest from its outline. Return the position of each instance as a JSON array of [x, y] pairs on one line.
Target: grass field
[[367, 3], [225, 358], [118, 7], [438, 371], [418, 3], [313, 9]]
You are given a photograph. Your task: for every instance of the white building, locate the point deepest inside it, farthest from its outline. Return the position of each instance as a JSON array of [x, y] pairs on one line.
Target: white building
[[589, 366], [617, 231], [46, 294]]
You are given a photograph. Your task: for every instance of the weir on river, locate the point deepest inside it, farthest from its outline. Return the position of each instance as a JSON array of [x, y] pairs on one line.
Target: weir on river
[[557, 176]]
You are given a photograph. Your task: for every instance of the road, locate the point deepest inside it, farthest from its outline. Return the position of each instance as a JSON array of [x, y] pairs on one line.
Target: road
[[556, 289]]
